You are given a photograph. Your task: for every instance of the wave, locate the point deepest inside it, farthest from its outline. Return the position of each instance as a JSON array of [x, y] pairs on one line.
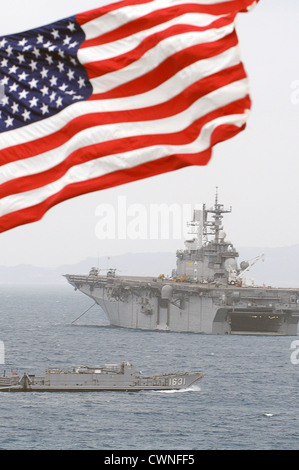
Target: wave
[[192, 388]]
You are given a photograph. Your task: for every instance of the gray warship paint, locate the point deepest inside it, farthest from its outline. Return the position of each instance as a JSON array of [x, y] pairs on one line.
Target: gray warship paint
[[206, 293], [110, 377]]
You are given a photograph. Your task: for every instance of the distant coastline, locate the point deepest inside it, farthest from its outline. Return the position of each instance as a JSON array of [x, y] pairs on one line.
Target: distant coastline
[[280, 268]]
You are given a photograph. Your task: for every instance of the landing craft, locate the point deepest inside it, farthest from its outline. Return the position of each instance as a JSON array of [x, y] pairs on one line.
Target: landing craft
[[206, 293], [110, 377]]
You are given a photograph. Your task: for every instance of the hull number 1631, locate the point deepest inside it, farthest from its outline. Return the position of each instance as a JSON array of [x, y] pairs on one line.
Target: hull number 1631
[[177, 381]]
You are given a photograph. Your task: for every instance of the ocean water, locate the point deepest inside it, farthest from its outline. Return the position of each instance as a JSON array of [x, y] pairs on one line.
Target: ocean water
[[248, 398]]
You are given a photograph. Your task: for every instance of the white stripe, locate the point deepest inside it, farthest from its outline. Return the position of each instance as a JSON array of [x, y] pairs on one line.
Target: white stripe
[[105, 133], [161, 94], [106, 165], [122, 16], [155, 57], [127, 44], [117, 18]]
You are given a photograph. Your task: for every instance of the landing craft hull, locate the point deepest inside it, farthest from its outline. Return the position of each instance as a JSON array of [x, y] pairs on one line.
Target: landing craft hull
[[141, 303], [100, 389], [108, 378]]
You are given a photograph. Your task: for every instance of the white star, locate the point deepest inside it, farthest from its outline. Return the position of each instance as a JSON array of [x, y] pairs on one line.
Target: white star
[[59, 102], [71, 26], [9, 121], [21, 58], [13, 69], [53, 80], [67, 40], [4, 81], [71, 74], [26, 115], [44, 72], [81, 82], [55, 33], [33, 83], [33, 102], [60, 66], [27, 48], [23, 76], [15, 108], [40, 39], [36, 52], [61, 53], [13, 87], [23, 94], [49, 59], [73, 44], [3, 42], [73, 60], [23, 42], [33, 65], [45, 90], [48, 44], [52, 96], [63, 87], [9, 50], [44, 108], [5, 100], [4, 63]]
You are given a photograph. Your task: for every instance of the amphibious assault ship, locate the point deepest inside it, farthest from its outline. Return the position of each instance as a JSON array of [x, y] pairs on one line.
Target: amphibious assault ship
[[110, 377], [206, 293]]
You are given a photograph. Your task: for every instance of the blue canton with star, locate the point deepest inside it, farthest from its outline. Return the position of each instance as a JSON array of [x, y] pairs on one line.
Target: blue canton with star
[[40, 73]]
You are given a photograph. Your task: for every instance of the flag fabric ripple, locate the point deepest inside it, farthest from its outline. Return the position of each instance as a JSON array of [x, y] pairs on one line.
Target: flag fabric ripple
[[123, 92]]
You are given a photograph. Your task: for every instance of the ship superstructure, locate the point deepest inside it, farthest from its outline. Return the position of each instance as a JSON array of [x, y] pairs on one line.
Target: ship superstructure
[[207, 256], [206, 293]]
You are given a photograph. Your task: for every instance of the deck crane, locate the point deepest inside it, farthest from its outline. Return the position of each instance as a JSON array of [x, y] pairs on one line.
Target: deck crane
[[237, 278]]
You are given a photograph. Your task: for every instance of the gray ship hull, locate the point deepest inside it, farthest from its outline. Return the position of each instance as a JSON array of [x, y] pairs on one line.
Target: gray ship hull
[[151, 304]]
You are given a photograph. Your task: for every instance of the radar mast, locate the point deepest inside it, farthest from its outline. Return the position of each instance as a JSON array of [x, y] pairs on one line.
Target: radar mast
[[213, 227]]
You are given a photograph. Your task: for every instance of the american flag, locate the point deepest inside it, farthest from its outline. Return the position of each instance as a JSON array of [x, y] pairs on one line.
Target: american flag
[[129, 90]]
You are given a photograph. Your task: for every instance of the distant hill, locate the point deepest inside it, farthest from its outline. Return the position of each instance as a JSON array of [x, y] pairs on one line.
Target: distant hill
[[141, 264], [280, 268]]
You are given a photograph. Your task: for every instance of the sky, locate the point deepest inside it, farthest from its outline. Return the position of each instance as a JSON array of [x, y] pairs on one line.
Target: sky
[[256, 172]]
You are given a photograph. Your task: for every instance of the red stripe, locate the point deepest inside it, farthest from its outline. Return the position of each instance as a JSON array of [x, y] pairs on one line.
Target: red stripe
[[214, 9], [169, 67], [85, 154], [44, 144], [101, 67], [145, 22], [167, 164]]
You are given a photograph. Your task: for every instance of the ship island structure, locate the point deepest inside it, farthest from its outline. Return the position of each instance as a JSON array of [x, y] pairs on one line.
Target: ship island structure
[[206, 293]]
